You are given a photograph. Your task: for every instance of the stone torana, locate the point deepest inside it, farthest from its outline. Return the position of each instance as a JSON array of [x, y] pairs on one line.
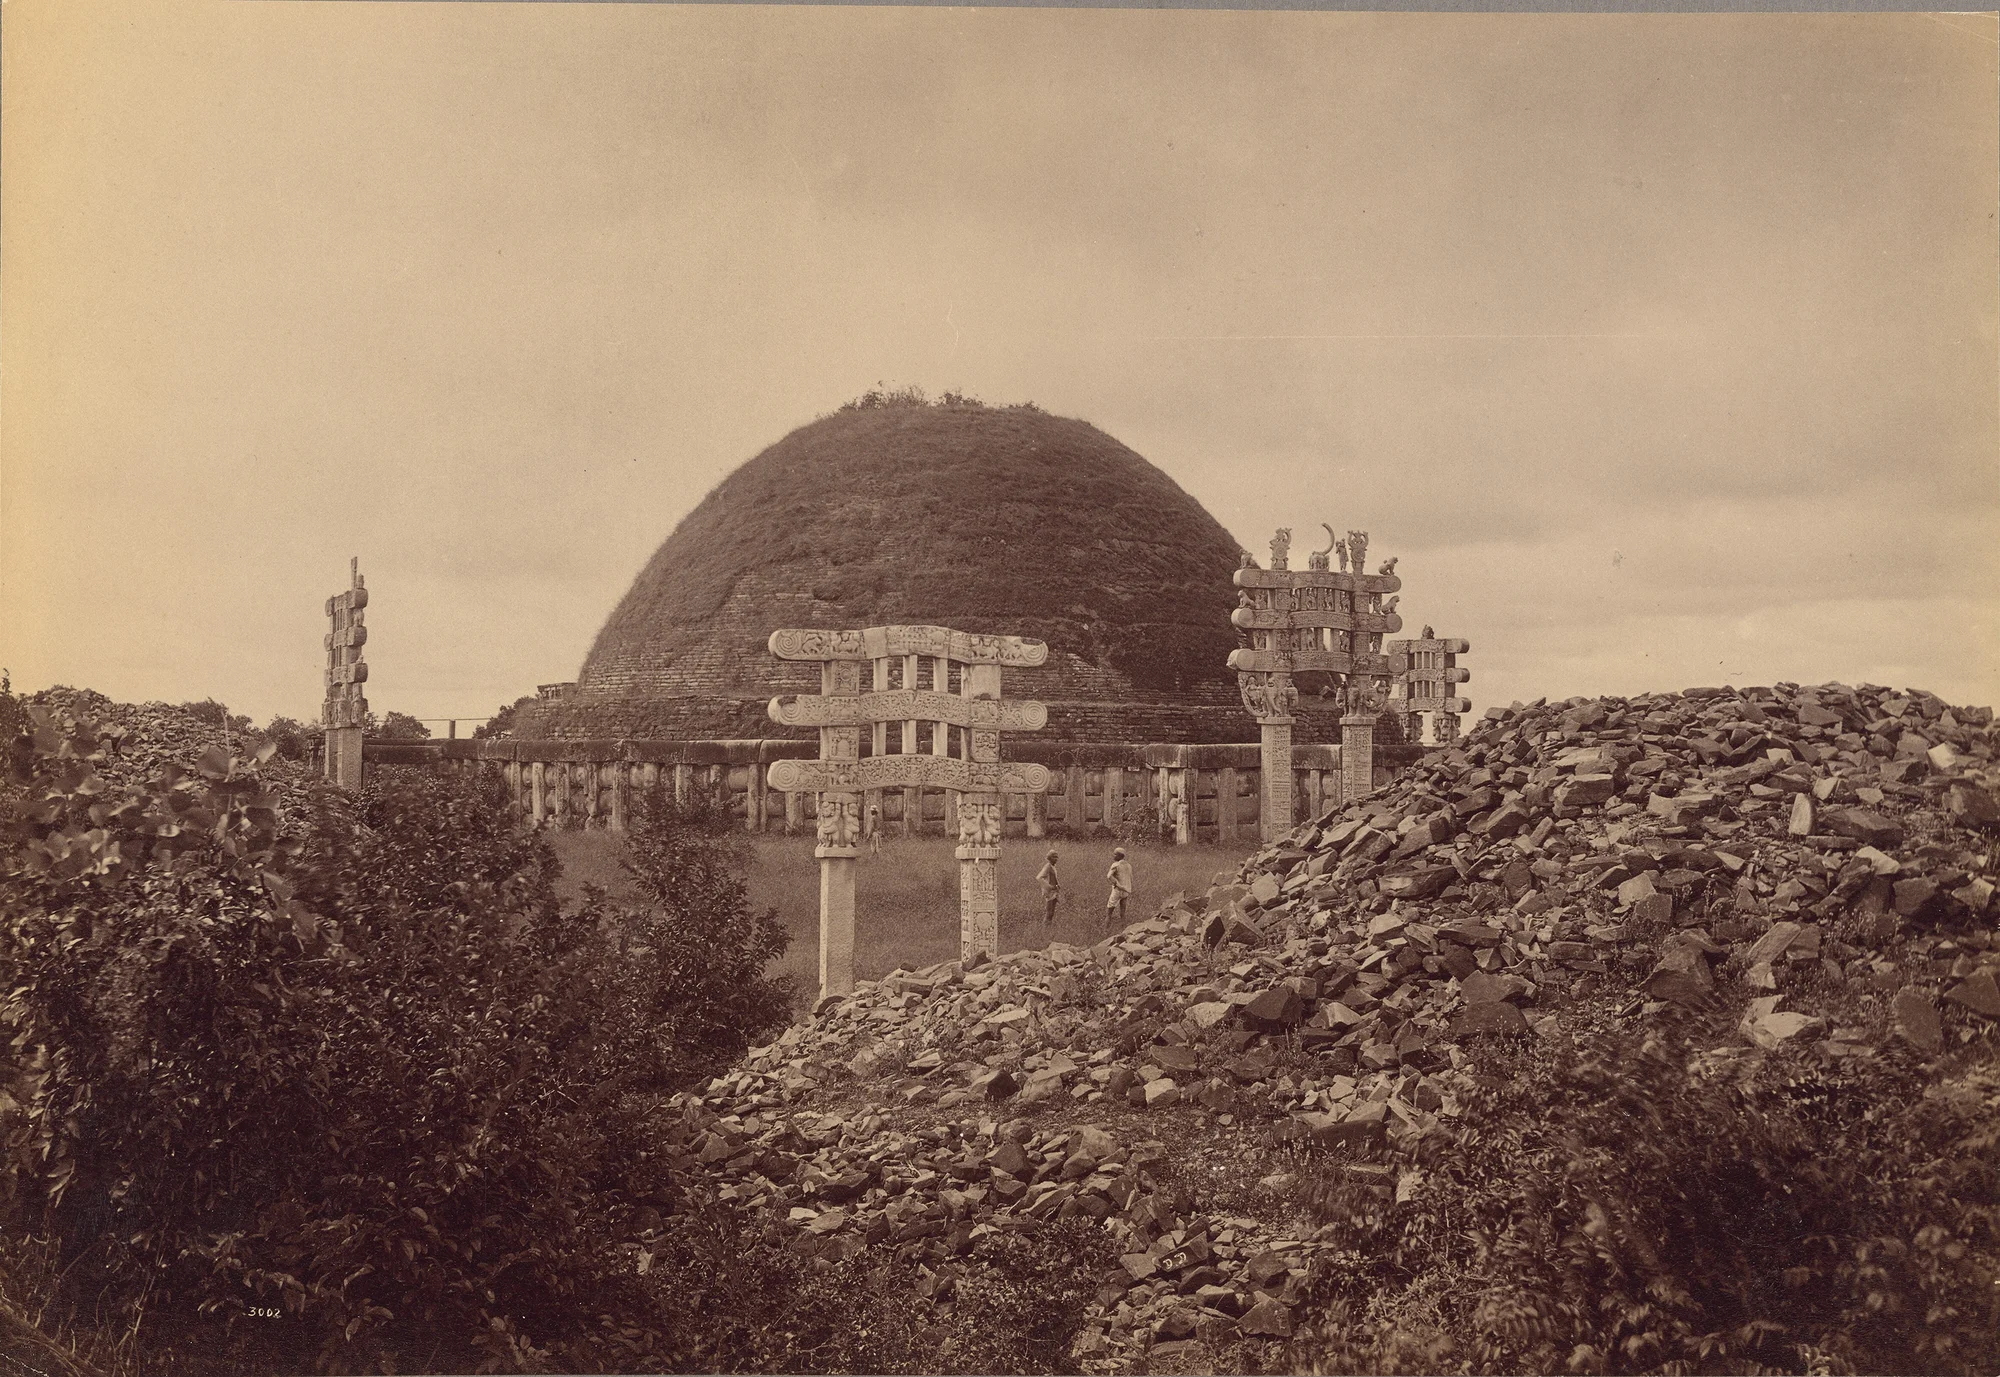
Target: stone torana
[[924, 682], [1316, 619]]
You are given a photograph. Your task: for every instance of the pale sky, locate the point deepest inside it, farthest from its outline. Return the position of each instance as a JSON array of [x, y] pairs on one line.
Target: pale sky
[[1660, 350]]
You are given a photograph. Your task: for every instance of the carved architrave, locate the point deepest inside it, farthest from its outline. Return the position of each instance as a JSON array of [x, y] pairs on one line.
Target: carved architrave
[[1263, 661], [902, 705], [881, 642], [1279, 619], [904, 771]]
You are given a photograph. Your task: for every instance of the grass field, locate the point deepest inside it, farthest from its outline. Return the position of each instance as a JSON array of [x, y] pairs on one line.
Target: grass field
[[906, 899]]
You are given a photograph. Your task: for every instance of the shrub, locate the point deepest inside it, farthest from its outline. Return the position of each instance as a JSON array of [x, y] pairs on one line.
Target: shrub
[[400, 726], [699, 948], [1613, 1209], [1012, 1302], [502, 722], [292, 739], [339, 1057]]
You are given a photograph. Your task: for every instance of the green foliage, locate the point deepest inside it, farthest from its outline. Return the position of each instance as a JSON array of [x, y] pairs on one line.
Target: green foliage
[[1010, 1302], [207, 710], [344, 1058], [502, 722], [1615, 1209], [400, 726], [292, 739], [698, 946]]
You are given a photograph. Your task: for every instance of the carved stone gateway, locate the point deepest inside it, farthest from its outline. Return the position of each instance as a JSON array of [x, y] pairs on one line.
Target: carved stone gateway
[[345, 712], [972, 718], [1425, 669], [1320, 619]]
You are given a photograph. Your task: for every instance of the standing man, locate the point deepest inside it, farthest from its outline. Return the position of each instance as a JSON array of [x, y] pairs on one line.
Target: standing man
[[1051, 890], [1120, 876], [874, 829]]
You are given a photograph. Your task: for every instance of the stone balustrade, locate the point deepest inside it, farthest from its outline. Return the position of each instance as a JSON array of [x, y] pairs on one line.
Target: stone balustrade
[[1185, 793]]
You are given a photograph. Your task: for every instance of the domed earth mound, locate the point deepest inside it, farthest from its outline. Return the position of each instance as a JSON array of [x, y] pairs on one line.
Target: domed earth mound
[[991, 519]]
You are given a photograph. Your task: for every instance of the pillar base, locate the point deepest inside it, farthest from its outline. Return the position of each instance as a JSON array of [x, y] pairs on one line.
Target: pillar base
[[836, 920], [978, 901]]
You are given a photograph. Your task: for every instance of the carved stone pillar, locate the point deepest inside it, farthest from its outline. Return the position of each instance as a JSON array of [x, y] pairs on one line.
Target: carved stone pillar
[[979, 822], [839, 841], [839, 837], [1357, 755], [1275, 763]]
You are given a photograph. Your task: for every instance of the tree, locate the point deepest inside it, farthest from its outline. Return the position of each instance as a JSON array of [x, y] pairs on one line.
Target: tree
[[294, 740], [502, 722], [400, 726]]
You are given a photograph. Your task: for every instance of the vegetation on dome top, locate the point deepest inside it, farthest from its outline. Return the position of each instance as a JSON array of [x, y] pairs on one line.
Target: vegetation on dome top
[[1005, 519]]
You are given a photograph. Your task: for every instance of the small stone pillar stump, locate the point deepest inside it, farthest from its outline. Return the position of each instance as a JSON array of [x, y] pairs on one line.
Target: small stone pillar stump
[[345, 712]]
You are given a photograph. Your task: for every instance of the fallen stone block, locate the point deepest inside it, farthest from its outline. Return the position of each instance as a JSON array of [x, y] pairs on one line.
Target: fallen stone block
[[1917, 1019], [1491, 1017], [1979, 993]]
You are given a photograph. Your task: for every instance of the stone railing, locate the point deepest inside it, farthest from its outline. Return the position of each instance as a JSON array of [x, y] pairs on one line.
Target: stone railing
[[1180, 793]]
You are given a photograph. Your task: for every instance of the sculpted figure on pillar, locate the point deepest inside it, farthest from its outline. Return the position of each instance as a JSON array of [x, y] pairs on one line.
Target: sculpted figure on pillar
[[979, 823], [1357, 550], [1255, 701], [1281, 548], [839, 821]]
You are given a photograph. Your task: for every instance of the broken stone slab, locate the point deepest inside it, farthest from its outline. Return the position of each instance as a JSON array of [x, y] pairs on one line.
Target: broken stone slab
[[1275, 1010], [1917, 1019], [1585, 791], [1979, 993], [1491, 1016], [1268, 1318], [1771, 1029], [1488, 988], [1772, 944], [1639, 887], [1865, 826], [1969, 805]]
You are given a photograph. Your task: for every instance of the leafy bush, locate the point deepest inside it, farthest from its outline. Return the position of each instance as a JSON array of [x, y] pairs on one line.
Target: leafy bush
[[502, 722], [400, 726], [339, 1057], [1615, 1209], [697, 948], [1012, 1302], [207, 710], [292, 739]]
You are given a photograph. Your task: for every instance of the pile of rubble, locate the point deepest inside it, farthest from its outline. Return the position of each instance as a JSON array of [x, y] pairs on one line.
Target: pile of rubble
[[144, 738], [1562, 865]]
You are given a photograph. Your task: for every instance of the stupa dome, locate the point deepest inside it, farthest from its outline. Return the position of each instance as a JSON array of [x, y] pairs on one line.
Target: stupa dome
[[991, 519]]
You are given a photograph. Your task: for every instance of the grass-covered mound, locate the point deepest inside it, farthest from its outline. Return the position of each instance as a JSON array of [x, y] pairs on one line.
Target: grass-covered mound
[[1001, 519]]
